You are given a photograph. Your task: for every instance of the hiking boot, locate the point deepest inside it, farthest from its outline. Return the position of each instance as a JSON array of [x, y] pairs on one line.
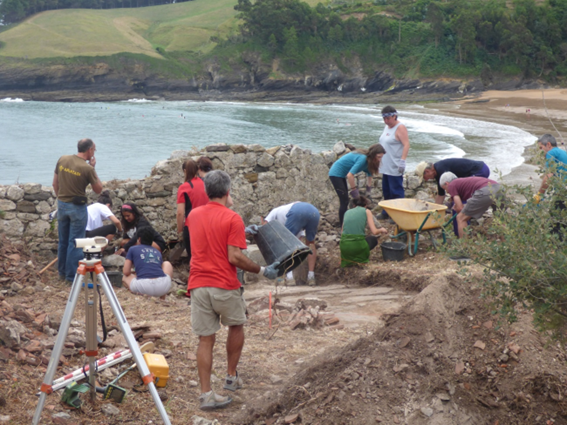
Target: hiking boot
[[382, 216], [212, 401], [232, 383], [311, 282]]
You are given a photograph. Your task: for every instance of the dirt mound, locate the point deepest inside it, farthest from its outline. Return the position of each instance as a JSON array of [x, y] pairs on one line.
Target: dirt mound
[[442, 360]]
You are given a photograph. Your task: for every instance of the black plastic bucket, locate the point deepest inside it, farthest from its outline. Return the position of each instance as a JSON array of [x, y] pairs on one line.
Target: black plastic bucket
[[276, 243], [115, 278], [393, 251]]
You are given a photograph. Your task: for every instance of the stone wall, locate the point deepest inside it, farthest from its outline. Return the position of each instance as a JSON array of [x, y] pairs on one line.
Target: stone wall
[[261, 180]]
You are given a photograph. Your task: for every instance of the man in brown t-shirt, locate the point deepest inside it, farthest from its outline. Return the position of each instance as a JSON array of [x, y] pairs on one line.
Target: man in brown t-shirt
[[73, 174]]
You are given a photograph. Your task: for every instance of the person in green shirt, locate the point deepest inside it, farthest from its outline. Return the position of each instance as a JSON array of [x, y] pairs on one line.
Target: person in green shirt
[[355, 245]]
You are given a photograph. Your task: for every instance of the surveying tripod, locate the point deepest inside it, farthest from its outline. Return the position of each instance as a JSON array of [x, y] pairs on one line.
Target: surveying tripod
[[92, 248]]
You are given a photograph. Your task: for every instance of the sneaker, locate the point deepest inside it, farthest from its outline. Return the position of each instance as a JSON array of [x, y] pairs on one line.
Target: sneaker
[[290, 282], [212, 401], [232, 383], [311, 282]]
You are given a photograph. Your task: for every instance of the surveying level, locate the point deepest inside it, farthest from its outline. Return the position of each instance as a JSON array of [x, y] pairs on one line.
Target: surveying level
[[91, 264]]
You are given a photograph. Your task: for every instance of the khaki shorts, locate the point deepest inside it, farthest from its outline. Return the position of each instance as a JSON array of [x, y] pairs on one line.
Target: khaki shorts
[[209, 306]]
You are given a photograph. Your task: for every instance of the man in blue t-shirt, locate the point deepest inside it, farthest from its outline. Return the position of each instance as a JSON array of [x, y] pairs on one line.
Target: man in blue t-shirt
[[153, 275], [554, 157], [556, 162]]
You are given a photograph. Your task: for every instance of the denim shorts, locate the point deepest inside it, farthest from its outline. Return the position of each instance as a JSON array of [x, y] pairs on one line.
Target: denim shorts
[[303, 216]]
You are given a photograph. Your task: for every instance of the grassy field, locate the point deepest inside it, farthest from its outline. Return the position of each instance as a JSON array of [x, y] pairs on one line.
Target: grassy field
[[184, 26]]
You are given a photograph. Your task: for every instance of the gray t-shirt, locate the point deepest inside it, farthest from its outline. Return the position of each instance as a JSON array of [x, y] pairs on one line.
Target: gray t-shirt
[[394, 149]]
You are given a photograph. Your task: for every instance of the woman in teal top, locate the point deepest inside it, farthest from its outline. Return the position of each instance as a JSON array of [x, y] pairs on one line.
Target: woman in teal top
[[355, 245], [361, 160]]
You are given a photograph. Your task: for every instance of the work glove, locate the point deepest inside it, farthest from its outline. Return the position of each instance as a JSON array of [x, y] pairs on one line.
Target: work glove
[[252, 229], [368, 190], [354, 193], [537, 198], [402, 166], [271, 272]]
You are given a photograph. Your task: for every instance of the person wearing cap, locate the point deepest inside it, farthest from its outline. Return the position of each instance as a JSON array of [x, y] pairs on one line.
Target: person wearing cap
[[478, 193], [395, 141], [556, 162], [461, 167]]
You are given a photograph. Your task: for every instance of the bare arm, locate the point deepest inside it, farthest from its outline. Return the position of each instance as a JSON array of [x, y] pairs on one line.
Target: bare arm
[[368, 180], [439, 199], [180, 216], [116, 222], [458, 204], [350, 179], [402, 136], [127, 269], [56, 184], [238, 259], [545, 183], [372, 226], [97, 187]]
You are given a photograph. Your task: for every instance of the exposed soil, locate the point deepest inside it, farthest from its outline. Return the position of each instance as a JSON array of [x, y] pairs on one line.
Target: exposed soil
[[439, 358]]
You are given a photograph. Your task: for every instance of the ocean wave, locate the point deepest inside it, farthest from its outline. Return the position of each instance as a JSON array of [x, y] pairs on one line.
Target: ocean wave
[[135, 100], [9, 99], [420, 126]]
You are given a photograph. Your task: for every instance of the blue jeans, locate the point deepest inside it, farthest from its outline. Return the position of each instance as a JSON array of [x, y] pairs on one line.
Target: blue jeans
[[72, 222], [303, 216]]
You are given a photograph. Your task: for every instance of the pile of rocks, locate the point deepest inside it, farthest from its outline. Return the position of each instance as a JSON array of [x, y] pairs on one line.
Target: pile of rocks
[[17, 269], [306, 313]]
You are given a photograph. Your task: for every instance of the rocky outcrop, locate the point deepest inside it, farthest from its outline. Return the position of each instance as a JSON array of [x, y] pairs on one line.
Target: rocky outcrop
[[248, 79], [261, 180]]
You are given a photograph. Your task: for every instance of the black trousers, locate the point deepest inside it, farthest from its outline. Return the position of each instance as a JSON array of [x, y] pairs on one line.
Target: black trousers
[[187, 242], [340, 185], [109, 229]]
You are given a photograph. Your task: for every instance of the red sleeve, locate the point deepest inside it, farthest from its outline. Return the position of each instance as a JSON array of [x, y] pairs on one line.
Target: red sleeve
[[180, 192], [236, 236]]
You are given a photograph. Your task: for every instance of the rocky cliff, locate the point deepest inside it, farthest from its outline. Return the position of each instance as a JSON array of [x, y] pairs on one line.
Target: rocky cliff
[[249, 79]]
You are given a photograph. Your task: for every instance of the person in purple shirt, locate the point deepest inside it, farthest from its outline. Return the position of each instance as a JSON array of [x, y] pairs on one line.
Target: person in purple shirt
[[479, 193]]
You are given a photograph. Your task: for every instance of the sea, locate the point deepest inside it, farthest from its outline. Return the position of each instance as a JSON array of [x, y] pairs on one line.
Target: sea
[[132, 136]]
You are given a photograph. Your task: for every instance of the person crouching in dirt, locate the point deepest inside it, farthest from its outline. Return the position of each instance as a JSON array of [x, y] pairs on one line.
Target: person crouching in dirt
[[217, 240], [301, 219], [355, 245], [479, 193], [153, 275]]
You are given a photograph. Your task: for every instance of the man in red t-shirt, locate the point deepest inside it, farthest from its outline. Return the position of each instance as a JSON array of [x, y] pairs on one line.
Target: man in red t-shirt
[[217, 240], [479, 193]]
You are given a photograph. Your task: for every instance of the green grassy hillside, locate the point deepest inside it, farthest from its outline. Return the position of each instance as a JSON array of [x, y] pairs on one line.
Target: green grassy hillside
[[87, 32]]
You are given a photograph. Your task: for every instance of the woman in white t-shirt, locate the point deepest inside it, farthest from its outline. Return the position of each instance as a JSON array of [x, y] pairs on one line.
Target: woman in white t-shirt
[[98, 212]]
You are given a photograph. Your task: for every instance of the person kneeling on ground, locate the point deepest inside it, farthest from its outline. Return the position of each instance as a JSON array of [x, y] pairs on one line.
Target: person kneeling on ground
[[217, 240], [153, 275], [479, 193], [132, 221], [98, 212], [301, 219], [355, 245]]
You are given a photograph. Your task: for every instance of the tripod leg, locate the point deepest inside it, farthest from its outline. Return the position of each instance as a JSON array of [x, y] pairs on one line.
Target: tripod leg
[[129, 336], [58, 347], [91, 351]]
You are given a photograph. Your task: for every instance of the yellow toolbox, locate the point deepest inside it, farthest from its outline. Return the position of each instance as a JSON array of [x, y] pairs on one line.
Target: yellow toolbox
[[159, 367]]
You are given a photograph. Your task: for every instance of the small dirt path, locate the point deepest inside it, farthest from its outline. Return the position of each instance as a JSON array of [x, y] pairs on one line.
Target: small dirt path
[[354, 307]]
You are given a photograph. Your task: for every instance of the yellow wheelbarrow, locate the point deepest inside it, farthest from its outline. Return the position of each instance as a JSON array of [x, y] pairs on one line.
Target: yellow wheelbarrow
[[413, 216]]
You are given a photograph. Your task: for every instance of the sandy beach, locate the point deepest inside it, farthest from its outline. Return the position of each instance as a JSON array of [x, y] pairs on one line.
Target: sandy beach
[[534, 111]]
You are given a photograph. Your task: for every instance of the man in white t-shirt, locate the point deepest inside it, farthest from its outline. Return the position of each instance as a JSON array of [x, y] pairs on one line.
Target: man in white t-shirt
[[97, 213], [301, 219]]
